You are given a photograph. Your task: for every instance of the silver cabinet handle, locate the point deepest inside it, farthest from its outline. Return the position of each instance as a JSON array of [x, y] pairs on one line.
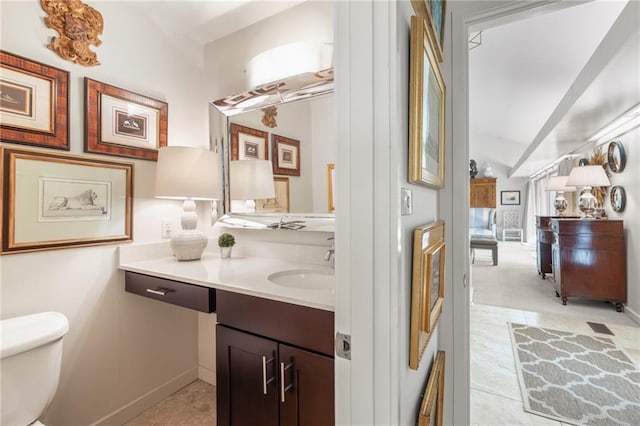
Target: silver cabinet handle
[[160, 291], [264, 375], [283, 388]]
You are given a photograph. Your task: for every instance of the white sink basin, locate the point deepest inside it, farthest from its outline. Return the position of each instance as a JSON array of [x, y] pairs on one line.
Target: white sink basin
[[316, 279]]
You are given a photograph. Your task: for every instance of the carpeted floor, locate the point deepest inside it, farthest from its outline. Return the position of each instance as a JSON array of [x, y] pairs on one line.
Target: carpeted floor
[[514, 283], [574, 378]]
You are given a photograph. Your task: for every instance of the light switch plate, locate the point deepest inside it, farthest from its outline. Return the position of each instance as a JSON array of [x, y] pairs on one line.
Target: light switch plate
[[406, 202]]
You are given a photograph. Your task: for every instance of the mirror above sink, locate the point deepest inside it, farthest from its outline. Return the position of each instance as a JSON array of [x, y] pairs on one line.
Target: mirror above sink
[[300, 148]]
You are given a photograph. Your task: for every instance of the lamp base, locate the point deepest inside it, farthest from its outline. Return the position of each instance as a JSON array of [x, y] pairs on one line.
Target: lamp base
[[560, 203], [587, 203], [188, 245]]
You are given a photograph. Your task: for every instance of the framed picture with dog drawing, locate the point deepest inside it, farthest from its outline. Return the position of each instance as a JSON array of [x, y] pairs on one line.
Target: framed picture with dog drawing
[[57, 200]]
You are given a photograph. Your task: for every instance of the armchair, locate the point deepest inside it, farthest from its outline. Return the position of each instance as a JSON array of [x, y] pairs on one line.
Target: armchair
[[482, 222]]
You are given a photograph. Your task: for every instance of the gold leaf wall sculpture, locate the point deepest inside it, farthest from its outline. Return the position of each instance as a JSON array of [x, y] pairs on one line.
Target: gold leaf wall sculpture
[[269, 117], [599, 158], [78, 26]]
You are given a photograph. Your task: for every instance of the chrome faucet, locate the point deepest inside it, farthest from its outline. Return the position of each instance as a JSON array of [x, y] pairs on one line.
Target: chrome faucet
[[330, 255]]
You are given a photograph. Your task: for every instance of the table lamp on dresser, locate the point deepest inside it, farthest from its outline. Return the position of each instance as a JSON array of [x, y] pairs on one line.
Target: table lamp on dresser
[[559, 184], [588, 177]]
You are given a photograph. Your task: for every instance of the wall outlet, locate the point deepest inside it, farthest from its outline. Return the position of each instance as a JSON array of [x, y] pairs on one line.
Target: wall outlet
[[166, 230]]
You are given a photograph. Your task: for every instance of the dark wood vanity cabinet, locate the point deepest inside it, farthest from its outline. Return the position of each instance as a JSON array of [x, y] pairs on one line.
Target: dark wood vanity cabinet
[[274, 363], [588, 260], [170, 291], [544, 242]]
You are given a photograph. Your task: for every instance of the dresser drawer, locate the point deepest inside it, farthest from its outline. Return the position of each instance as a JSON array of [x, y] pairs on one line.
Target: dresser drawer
[[175, 292], [285, 322]]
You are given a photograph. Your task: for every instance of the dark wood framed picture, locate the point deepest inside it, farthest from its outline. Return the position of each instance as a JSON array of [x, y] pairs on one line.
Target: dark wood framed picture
[[286, 156], [34, 103], [123, 123], [426, 111], [248, 143], [55, 200], [427, 287], [432, 406]]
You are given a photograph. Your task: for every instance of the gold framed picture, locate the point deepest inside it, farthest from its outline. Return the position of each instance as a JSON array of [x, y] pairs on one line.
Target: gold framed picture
[[123, 123], [433, 12], [279, 203], [426, 110], [427, 287], [331, 171], [432, 406], [57, 200], [34, 103]]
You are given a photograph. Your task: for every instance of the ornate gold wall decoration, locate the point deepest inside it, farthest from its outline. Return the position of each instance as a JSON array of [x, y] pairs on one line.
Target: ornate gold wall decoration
[[269, 117], [599, 158], [78, 26]]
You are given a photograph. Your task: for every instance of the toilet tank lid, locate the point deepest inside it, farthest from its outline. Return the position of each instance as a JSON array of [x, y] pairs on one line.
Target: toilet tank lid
[[24, 333]]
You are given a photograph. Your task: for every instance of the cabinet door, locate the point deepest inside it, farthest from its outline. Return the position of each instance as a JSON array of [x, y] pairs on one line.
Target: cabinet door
[[247, 391], [307, 388]]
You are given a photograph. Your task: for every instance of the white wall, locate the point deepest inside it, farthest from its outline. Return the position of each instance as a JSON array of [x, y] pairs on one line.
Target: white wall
[[629, 179], [120, 346]]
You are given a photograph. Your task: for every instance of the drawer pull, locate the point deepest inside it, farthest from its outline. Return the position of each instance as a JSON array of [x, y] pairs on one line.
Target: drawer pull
[[160, 291]]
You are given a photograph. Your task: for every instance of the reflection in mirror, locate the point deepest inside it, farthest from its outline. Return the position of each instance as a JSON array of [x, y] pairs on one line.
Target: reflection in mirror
[[294, 221], [299, 147]]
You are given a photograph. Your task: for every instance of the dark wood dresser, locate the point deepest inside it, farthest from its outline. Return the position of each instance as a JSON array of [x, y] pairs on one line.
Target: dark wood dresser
[[588, 260], [544, 241]]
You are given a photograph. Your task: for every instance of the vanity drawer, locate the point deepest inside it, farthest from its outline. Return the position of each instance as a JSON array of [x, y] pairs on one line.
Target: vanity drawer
[[294, 324], [175, 292]]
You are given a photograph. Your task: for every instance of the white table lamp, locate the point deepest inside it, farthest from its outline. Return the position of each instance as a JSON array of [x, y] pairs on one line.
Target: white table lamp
[[189, 174], [559, 184], [588, 177], [251, 180]]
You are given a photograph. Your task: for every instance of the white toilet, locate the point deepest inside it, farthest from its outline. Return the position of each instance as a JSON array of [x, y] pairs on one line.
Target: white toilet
[[30, 357]]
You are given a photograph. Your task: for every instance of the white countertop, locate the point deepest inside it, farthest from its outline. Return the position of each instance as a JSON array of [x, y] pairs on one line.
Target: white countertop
[[239, 274]]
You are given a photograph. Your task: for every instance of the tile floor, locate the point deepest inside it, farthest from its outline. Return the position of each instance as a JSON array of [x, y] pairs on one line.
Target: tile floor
[[495, 392]]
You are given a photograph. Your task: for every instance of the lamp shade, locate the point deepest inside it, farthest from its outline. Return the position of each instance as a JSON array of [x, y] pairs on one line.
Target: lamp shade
[[186, 172], [559, 183], [588, 176], [251, 179]]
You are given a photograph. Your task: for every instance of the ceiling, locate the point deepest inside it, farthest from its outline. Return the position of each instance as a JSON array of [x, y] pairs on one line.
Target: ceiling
[[541, 86]]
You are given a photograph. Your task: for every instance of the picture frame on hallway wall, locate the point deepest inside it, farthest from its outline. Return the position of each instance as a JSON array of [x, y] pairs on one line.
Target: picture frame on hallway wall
[[285, 156], [510, 198], [426, 111], [433, 12], [57, 200], [432, 405], [34, 103], [427, 287], [331, 174], [248, 143], [123, 123]]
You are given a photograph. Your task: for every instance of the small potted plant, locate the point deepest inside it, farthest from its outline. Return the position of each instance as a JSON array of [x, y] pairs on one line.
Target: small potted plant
[[226, 242]]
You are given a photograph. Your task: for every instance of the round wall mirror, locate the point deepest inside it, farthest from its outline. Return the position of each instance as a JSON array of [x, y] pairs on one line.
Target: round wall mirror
[[615, 157], [618, 198]]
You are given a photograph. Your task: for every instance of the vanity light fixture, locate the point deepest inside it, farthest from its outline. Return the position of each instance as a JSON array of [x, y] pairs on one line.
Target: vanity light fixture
[[189, 174], [629, 120], [588, 177], [251, 180], [559, 184]]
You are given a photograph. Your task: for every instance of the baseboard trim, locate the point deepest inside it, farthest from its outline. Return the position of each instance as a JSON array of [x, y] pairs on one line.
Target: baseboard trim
[[149, 399], [632, 314], [207, 375]]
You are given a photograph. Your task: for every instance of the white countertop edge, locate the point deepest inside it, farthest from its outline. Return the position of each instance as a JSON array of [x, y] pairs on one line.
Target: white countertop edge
[[251, 283]]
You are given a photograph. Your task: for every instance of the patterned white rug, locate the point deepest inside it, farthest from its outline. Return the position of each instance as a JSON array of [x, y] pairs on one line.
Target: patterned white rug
[[576, 379]]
